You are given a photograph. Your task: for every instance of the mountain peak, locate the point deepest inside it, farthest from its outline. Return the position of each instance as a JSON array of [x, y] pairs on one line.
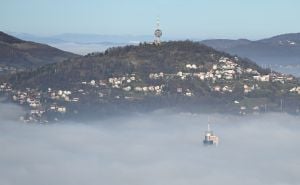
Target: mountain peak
[[18, 55], [9, 39]]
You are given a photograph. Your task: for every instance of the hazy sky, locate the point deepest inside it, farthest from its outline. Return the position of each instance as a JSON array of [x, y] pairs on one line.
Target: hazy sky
[[179, 18]]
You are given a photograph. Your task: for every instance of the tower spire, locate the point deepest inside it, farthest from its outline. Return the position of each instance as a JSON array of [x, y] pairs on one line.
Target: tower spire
[[208, 124], [157, 33]]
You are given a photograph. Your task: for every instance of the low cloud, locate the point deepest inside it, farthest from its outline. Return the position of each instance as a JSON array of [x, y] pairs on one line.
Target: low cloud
[[157, 148], [83, 49], [10, 112]]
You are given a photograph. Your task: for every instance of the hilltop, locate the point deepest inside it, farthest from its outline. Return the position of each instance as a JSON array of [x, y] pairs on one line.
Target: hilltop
[[170, 57], [178, 74], [19, 55]]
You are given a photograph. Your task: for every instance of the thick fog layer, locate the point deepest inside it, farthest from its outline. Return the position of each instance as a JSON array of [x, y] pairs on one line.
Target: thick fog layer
[[160, 148], [83, 49]]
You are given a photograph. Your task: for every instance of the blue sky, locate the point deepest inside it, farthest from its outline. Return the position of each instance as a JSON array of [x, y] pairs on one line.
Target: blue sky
[[179, 18]]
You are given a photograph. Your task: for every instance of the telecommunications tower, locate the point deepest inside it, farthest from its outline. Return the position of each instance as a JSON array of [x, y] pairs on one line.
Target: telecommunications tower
[[157, 33]]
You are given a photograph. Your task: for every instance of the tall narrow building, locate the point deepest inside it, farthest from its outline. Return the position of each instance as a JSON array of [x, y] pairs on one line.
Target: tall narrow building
[[209, 137], [157, 34]]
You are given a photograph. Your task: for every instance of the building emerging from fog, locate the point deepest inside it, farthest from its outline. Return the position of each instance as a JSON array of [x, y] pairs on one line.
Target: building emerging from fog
[[210, 138]]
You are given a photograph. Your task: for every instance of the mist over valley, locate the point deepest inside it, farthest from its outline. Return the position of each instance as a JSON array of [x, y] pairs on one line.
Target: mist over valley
[[149, 92], [156, 148]]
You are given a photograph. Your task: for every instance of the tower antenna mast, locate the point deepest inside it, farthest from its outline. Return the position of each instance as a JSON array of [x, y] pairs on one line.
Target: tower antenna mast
[[157, 33], [208, 124]]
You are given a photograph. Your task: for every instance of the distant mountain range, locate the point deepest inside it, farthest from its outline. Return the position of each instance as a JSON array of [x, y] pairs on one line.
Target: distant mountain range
[[281, 49], [17, 54], [84, 38], [84, 43]]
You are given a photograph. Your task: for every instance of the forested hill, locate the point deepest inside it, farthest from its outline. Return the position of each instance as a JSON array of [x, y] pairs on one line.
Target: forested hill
[[282, 49], [169, 58], [177, 74], [17, 55]]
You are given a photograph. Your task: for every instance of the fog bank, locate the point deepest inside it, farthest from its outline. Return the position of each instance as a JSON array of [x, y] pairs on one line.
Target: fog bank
[[159, 148]]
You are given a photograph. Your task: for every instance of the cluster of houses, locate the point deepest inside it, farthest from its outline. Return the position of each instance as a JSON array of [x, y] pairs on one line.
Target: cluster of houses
[[56, 108], [155, 89], [156, 76], [250, 88], [34, 101], [219, 88], [129, 83], [295, 90], [29, 96], [5, 87], [64, 95], [274, 77], [118, 82], [279, 77], [57, 100], [262, 78], [226, 69], [185, 92], [244, 110]]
